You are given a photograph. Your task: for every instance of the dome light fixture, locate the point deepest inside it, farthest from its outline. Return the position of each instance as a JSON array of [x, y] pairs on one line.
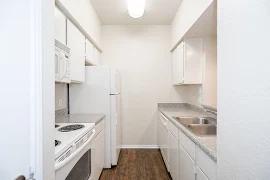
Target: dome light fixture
[[136, 8]]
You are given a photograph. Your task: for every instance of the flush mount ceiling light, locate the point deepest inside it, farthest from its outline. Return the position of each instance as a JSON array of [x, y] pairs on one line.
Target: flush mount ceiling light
[[136, 8]]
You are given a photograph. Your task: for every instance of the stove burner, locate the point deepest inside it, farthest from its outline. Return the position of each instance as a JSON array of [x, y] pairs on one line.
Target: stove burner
[[56, 126], [57, 143], [71, 128]]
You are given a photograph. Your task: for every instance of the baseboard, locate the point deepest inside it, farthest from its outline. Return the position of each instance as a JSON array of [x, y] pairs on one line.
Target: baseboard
[[140, 147]]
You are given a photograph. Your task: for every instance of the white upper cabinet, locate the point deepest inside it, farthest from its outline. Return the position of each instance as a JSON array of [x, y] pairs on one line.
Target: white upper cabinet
[[83, 12], [76, 43], [92, 54], [187, 62], [97, 56], [89, 52], [60, 26], [178, 65], [197, 16]]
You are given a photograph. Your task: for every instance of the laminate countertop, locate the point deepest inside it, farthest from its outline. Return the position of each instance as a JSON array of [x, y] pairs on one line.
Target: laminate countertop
[[206, 143], [80, 118]]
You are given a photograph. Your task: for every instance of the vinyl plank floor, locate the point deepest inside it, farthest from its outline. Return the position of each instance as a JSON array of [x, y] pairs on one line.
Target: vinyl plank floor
[[138, 164]]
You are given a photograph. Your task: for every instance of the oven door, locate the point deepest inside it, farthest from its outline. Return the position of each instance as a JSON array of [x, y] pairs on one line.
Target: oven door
[[78, 164]]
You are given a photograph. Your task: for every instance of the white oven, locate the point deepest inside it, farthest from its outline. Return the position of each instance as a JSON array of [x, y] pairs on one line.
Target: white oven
[[62, 63], [75, 162]]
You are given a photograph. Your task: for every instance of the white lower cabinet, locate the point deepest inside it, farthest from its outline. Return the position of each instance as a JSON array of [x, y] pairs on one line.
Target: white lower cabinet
[[173, 157], [98, 153], [184, 156], [201, 175], [163, 139], [186, 165]]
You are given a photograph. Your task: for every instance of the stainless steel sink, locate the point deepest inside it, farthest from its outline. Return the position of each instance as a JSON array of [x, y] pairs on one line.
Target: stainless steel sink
[[195, 120], [203, 129], [201, 126]]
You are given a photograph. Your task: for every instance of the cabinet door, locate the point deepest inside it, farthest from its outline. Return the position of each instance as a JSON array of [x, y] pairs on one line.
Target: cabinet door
[[178, 65], [97, 56], [60, 26], [186, 165], [193, 61], [163, 140], [76, 43], [201, 175], [89, 51], [99, 159], [173, 157], [98, 156]]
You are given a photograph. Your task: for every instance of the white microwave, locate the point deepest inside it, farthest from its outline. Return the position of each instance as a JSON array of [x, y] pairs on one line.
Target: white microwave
[[62, 63]]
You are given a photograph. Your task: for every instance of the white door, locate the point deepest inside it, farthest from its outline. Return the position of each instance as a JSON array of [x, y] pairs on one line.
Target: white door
[[178, 64], [173, 156], [60, 26], [96, 56], [97, 156], [27, 111], [163, 138], [186, 165], [193, 53], [76, 43], [89, 52]]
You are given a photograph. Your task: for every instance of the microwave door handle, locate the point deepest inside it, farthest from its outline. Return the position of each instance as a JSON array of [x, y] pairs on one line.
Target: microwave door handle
[[63, 163]]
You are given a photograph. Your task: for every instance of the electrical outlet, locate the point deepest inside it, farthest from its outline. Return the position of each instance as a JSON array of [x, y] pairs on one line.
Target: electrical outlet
[[60, 102]]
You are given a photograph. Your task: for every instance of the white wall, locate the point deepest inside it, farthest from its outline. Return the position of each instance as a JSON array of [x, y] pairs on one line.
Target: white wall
[[61, 93], [187, 14], [141, 54], [209, 87], [243, 90]]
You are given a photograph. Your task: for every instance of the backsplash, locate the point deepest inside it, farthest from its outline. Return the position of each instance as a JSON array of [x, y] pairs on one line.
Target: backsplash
[[61, 96], [60, 113]]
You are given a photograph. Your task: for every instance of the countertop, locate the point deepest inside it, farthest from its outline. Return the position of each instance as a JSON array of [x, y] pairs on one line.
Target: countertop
[[170, 110], [80, 118]]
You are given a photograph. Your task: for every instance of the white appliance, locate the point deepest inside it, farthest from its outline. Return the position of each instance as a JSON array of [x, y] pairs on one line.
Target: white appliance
[[100, 94], [62, 63], [73, 147]]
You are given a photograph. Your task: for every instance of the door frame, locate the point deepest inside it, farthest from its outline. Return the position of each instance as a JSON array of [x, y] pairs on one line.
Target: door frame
[[42, 106]]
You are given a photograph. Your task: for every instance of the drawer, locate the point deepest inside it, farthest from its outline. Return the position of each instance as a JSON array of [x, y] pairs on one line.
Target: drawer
[[206, 164], [173, 129], [163, 120], [99, 127], [187, 144]]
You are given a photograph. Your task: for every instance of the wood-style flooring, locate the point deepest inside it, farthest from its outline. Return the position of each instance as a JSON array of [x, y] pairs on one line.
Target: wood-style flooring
[[138, 164]]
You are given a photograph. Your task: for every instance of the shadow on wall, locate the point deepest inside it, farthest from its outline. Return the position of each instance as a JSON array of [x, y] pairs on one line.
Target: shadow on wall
[[146, 138], [189, 93]]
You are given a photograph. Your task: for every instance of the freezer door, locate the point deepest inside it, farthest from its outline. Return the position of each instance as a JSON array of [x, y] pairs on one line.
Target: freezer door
[[116, 127], [115, 82]]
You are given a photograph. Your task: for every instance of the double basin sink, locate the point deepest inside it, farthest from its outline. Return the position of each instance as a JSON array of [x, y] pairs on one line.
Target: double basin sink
[[200, 126]]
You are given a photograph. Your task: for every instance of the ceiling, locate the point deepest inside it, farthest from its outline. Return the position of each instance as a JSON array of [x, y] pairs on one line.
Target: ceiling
[[157, 12]]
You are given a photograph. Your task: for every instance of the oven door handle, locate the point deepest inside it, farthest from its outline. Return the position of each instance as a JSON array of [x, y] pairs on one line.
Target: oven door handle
[[63, 163]]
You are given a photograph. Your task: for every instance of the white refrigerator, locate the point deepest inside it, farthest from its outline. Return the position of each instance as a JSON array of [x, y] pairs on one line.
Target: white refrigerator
[[100, 94]]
